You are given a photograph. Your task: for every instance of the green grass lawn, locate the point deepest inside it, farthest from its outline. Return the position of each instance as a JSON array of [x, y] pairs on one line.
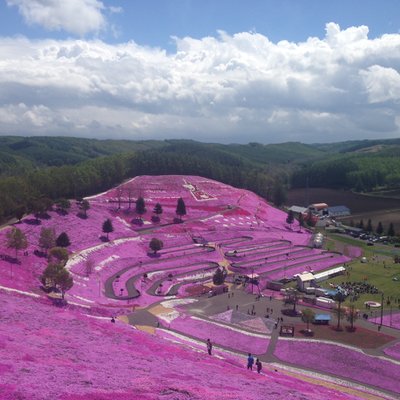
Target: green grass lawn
[[335, 242], [375, 274], [379, 271]]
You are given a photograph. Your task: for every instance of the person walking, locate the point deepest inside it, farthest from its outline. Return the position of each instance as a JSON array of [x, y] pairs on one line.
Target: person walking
[[209, 346], [250, 362], [258, 365]]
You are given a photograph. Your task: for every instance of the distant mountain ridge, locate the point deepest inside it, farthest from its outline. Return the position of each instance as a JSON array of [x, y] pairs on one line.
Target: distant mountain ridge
[[19, 154]]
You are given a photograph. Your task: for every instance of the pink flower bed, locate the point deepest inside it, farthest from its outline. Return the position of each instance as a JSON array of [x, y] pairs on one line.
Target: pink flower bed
[[219, 334], [393, 351], [392, 321], [340, 361]]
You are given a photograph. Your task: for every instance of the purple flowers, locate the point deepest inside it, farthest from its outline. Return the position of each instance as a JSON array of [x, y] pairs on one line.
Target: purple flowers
[[341, 361], [393, 351], [221, 335]]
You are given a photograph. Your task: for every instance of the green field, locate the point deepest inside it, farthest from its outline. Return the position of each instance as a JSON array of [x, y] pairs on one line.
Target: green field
[[379, 271]]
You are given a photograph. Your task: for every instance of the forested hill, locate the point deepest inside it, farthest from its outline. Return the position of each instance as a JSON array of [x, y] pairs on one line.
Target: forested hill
[[36, 171], [363, 166], [19, 154]]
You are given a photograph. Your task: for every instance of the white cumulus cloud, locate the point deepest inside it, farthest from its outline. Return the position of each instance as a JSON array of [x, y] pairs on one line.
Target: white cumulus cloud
[[78, 17], [228, 88]]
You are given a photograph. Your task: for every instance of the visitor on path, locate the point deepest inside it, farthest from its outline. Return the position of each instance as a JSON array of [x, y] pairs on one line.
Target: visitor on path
[[258, 365], [113, 320], [209, 346], [250, 362]]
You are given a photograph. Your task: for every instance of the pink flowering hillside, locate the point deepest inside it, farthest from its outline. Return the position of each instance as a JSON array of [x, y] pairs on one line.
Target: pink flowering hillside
[[221, 225], [58, 353], [150, 264]]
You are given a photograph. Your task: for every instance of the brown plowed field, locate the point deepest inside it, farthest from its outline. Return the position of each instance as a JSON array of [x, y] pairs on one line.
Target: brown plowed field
[[379, 209]]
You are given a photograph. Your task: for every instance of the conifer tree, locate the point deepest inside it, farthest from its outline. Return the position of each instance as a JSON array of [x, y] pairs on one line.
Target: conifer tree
[[63, 240], [390, 231], [181, 208], [108, 227], [140, 206]]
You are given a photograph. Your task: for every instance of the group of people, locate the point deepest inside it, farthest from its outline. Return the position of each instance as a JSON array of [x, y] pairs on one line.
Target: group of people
[[355, 289], [250, 358], [250, 363]]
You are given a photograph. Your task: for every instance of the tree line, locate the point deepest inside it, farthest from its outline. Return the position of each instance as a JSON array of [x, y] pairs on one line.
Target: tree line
[[362, 173]]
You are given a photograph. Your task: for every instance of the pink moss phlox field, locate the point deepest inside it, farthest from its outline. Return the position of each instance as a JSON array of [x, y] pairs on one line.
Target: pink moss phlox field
[[202, 329], [389, 320], [74, 352], [393, 351], [341, 361], [56, 353]]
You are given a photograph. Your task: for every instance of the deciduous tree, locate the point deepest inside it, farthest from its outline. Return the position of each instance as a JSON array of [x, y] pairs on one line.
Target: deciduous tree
[[308, 316], [47, 238], [85, 206], [352, 315], [16, 240], [64, 281], [49, 276], [156, 245], [58, 255], [63, 205], [340, 297]]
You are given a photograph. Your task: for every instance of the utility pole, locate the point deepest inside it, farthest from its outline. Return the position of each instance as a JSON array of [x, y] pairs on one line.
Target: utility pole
[[382, 310]]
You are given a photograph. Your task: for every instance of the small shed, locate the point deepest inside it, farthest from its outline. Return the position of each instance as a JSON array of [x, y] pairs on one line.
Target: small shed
[[305, 280], [322, 319]]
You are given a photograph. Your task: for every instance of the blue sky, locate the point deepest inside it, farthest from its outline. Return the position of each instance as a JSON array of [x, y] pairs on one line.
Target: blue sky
[[222, 70]]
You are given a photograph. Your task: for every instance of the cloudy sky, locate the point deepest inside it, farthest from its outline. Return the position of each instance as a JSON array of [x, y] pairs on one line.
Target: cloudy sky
[[229, 71]]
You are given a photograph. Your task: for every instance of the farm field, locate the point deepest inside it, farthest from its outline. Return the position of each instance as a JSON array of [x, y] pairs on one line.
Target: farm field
[[164, 293]]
